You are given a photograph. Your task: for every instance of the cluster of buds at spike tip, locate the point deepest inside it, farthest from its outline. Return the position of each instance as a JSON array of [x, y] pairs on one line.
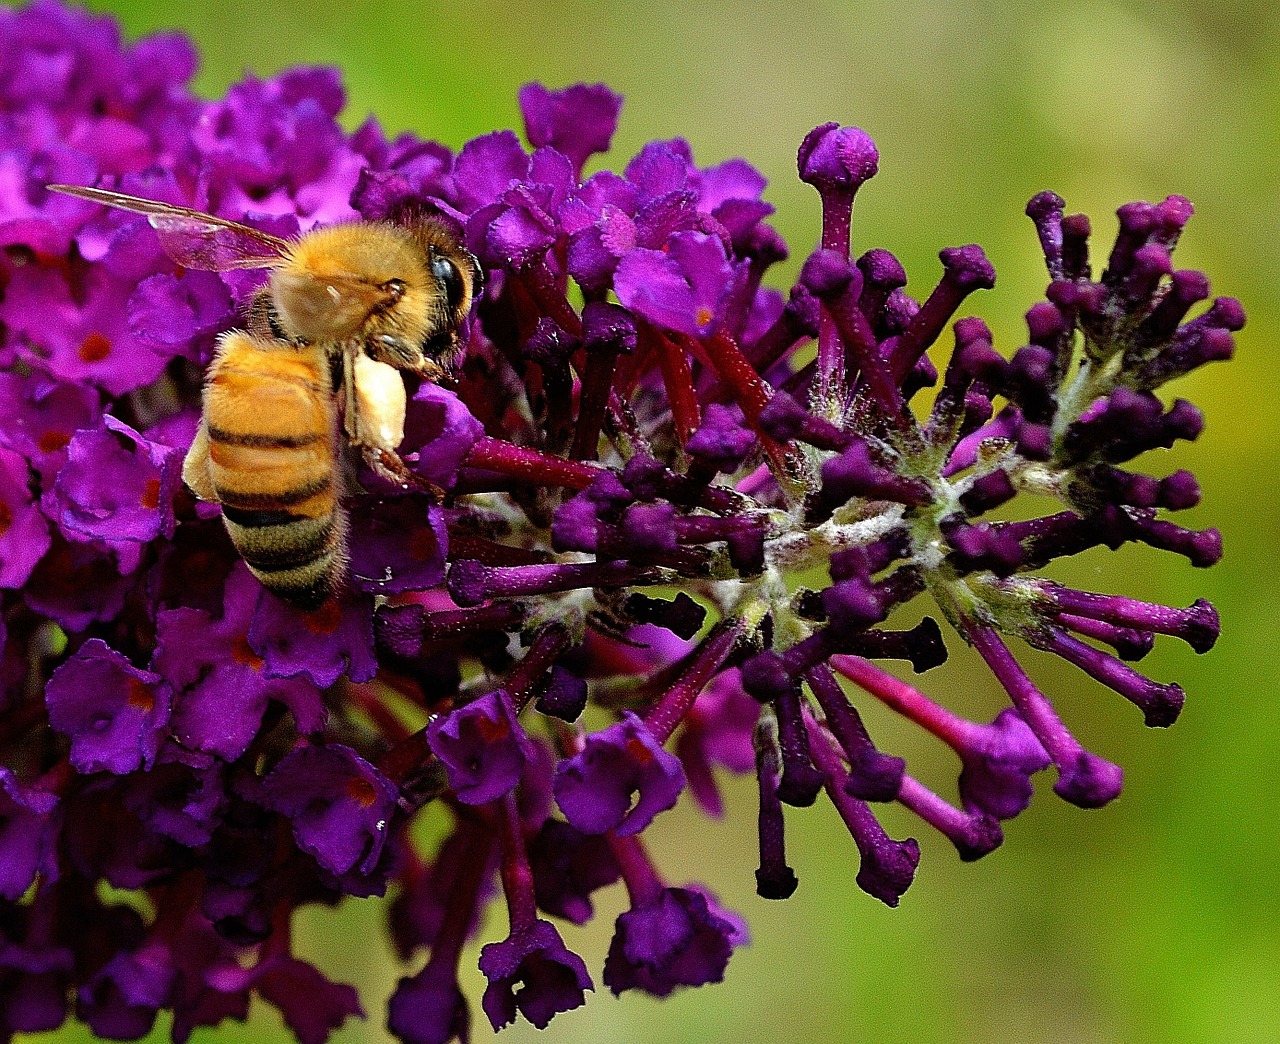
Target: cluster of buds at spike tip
[[640, 457]]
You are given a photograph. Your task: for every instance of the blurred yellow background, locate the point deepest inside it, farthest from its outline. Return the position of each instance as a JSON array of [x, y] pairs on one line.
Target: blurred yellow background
[[1153, 920]]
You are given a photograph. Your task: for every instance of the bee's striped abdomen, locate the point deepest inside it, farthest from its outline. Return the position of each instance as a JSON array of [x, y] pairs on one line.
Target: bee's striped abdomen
[[271, 422]]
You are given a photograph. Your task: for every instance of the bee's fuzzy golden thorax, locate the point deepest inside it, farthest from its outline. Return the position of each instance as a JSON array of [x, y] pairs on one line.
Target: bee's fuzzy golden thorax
[[357, 280]]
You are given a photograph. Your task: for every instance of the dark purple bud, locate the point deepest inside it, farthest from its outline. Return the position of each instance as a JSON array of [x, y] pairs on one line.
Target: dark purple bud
[[872, 776], [723, 440], [1045, 210], [785, 420], [608, 327], [565, 696], [855, 474], [888, 866], [800, 780], [1046, 324], [987, 492], [965, 269], [1128, 642], [774, 878], [985, 545], [829, 273], [429, 1007], [864, 562], [1160, 704], [922, 645], [619, 781], [835, 157], [549, 345], [852, 606], [1075, 246], [1202, 548], [767, 676]]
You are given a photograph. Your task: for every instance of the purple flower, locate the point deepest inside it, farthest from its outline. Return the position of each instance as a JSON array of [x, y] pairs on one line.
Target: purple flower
[[340, 805], [114, 713], [641, 454], [27, 834], [686, 288], [483, 748], [531, 972], [24, 531], [619, 781], [578, 121], [677, 938], [221, 686], [116, 486], [430, 1008]]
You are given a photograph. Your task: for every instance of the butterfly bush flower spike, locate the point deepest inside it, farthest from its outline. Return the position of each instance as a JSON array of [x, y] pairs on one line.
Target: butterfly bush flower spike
[[582, 607]]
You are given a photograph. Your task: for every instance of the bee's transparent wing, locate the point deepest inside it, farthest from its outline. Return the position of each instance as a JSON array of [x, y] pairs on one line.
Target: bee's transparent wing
[[191, 238]]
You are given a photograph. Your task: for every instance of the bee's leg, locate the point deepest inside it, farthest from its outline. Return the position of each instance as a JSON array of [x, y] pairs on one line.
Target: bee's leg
[[388, 466]]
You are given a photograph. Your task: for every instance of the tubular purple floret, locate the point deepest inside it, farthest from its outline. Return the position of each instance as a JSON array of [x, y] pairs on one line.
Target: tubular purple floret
[[1197, 625], [984, 545], [786, 420], [1046, 324], [864, 562], [882, 274], [1186, 288], [1045, 210], [676, 702], [888, 866], [608, 331], [1129, 643], [1075, 246], [1137, 222], [774, 878], [855, 474], [998, 758], [1151, 263], [965, 269], [974, 834], [1160, 704], [1202, 548], [837, 161], [471, 582], [873, 776], [404, 628], [1084, 779], [922, 646], [800, 780]]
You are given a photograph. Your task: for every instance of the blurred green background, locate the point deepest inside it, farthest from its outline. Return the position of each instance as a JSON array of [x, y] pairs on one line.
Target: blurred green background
[[1153, 920]]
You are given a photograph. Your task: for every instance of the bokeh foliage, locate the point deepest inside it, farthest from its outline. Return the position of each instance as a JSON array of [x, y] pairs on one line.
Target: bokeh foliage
[[1152, 920]]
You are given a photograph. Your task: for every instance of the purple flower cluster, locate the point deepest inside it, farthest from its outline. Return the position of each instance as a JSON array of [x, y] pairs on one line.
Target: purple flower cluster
[[641, 454]]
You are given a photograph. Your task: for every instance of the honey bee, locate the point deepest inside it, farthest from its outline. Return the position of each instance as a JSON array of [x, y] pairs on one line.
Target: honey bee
[[346, 307]]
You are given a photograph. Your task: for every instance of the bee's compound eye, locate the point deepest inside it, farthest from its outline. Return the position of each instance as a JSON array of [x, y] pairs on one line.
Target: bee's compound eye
[[450, 278]]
